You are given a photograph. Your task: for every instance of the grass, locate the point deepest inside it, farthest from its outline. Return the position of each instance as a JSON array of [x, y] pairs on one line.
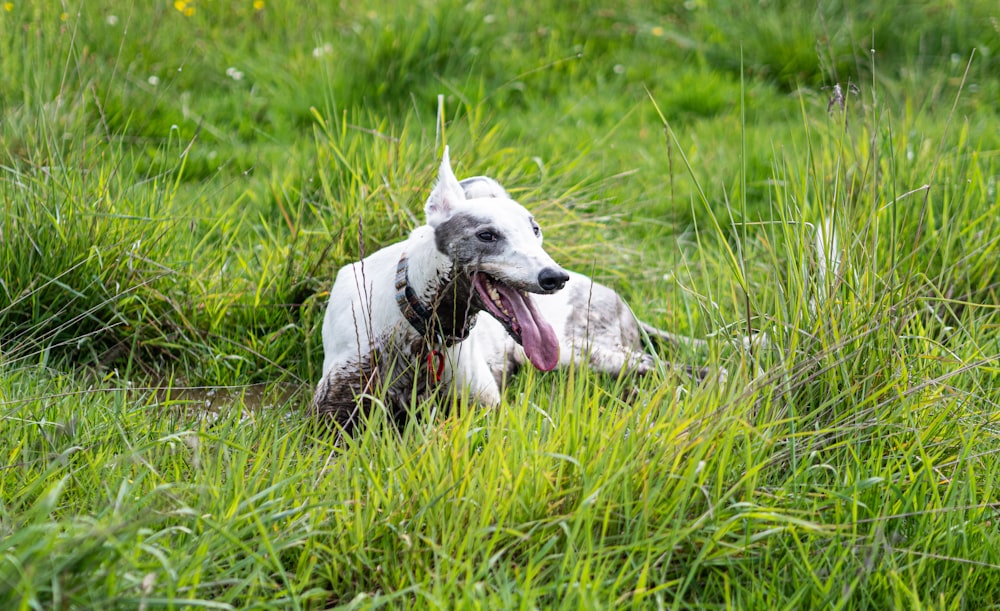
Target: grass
[[181, 182]]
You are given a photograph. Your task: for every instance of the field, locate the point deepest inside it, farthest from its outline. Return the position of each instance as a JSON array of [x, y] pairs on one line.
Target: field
[[181, 180]]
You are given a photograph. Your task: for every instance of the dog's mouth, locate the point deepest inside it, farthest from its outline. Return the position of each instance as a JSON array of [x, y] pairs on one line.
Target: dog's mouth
[[517, 313]]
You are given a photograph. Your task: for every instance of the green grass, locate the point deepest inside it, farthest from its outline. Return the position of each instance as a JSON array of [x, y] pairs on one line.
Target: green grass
[[179, 190]]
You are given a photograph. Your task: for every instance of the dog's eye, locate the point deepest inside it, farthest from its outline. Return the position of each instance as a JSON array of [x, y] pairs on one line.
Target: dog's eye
[[487, 236], [538, 231]]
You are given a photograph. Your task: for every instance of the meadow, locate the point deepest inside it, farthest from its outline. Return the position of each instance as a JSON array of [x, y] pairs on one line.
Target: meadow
[[181, 180]]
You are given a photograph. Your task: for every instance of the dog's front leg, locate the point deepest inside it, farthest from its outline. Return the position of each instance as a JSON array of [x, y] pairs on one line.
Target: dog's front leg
[[469, 372]]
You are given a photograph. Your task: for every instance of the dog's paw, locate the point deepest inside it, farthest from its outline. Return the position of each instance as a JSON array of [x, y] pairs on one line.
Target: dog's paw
[[645, 364]]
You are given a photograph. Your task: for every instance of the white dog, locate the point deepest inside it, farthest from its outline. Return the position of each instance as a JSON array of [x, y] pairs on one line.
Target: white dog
[[404, 322], [396, 321]]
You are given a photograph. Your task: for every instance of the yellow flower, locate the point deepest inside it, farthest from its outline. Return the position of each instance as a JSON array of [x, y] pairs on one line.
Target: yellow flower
[[657, 31], [63, 16], [8, 6], [180, 5], [258, 5], [185, 7]]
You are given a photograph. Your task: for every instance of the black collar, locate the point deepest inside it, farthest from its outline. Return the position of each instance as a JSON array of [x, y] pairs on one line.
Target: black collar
[[420, 317]]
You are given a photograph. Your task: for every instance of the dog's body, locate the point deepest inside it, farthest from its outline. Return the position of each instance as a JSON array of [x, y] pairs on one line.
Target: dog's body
[[404, 322]]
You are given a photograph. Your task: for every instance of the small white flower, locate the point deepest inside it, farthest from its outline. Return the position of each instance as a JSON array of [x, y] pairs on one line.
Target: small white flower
[[234, 74], [153, 80], [325, 49], [112, 20]]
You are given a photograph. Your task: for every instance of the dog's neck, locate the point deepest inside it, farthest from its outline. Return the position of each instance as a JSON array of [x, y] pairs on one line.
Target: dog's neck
[[434, 299]]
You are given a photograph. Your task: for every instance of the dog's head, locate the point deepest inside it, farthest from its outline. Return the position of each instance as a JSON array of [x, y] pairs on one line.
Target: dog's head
[[496, 243]]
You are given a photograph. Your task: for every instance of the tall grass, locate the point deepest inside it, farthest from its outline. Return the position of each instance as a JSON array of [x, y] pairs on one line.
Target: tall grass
[[180, 187]]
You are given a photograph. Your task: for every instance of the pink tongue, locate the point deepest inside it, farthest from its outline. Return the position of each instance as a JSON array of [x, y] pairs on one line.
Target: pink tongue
[[537, 336]]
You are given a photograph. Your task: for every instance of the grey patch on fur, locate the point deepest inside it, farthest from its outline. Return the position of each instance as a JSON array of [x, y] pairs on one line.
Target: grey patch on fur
[[346, 395], [601, 313], [456, 238], [455, 306]]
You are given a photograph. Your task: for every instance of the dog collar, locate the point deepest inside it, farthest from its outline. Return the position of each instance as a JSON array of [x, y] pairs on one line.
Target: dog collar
[[409, 304], [420, 317]]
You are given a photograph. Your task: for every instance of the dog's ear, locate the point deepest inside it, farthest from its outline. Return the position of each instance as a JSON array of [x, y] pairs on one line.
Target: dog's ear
[[483, 186], [446, 195]]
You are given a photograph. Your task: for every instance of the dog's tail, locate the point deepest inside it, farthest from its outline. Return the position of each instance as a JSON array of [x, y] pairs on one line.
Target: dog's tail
[[675, 341]]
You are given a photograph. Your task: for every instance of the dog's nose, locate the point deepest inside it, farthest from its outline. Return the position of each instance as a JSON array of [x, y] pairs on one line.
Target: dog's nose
[[552, 278]]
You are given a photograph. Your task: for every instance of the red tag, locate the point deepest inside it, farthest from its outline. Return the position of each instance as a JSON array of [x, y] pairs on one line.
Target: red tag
[[435, 364]]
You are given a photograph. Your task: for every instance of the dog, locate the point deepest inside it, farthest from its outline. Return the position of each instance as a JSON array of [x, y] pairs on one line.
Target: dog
[[406, 322], [398, 321]]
